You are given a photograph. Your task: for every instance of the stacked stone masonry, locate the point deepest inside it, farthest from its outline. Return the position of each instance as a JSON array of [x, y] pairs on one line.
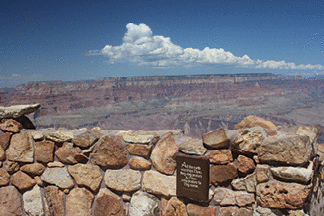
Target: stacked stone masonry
[[256, 169]]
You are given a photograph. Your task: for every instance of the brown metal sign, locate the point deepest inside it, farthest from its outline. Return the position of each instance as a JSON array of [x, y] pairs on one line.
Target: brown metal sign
[[192, 177]]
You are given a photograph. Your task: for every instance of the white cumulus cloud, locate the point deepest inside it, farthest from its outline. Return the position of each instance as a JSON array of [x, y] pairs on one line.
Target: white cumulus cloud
[[142, 47]]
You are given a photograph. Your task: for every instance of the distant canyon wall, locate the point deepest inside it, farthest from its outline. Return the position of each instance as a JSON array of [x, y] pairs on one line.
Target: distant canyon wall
[[56, 96], [202, 102]]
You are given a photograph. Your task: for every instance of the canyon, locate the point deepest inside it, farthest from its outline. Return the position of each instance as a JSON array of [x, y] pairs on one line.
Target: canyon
[[193, 103]]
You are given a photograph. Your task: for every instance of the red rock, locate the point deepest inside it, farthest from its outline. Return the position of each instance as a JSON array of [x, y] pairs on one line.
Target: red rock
[[281, 195], [67, 153], [139, 149], [86, 175], [164, 203], [226, 197], [87, 138], [109, 152], [79, 202], [163, 154], [44, 151], [174, 207], [139, 163], [22, 180], [21, 147], [291, 149], [4, 177], [243, 198], [247, 141], [262, 172], [313, 132], [245, 164], [247, 183], [196, 210], [5, 140], [216, 139], [54, 199], [228, 211], [108, 203], [254, 121], [139, 138], [58, 176], [33, 169], [10, 201], [61, 135], [222, 173], [2, 154], [11, 166], [10, 125], [190, 145], [126, 180], [156, 183], [55, 164], [220, 156]]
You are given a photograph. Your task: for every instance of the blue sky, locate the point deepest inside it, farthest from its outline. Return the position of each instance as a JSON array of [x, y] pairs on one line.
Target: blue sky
[[79, 40]]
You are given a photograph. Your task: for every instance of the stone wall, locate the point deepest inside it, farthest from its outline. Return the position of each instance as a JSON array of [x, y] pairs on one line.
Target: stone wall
[[256, 169]]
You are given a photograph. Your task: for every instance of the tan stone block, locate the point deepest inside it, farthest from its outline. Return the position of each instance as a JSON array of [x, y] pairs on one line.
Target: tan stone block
[[79, 202], [247, 141], [10, 201], [108, 203], [123, 180], [54, 201], [216, 139], [163, 154], [87, 175], [109, 152], [44, 151], [157, 183], [139, 163], [254, 121], [139, 149], [262, 172], [4, 178], [281, 195], [21, 147], [222, 173], [33, 169]]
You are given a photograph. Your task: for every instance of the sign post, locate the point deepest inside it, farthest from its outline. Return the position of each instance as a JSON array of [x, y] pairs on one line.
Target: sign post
[[192, 177]]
